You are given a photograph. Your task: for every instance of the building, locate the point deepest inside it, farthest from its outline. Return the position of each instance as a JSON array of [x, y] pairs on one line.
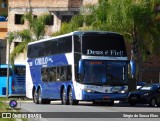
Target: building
[[3, 35], [3, 7], [3, 30], [60, 11]]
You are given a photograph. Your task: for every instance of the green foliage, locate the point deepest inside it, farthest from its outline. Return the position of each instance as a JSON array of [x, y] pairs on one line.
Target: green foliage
[[3, 14], [37, 24], [17, 50], [73, 25]]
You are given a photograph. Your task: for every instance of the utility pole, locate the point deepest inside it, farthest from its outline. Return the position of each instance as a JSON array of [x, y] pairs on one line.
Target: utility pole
[[8, 62]]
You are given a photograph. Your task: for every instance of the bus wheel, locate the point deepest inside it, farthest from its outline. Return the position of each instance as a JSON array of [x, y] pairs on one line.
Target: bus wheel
[[40, 100], [64, 98], [71, 100], [35, 97]]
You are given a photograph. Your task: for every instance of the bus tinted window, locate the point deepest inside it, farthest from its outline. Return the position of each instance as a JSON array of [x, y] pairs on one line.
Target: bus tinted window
[[3, 72], [51, 47], [19, 70], [52, 74], [108, 45]]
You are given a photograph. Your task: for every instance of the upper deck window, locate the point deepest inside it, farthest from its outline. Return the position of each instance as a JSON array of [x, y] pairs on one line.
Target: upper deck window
[[50, 47]]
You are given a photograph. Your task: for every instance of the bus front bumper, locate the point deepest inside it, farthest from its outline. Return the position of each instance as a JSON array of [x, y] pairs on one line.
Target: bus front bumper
[[91, 96]]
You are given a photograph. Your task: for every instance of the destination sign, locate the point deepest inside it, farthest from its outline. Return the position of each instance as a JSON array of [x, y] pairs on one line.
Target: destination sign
[[105, 53]]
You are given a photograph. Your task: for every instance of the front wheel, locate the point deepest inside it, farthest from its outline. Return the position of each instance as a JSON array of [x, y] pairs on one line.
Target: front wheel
[[71, 100]]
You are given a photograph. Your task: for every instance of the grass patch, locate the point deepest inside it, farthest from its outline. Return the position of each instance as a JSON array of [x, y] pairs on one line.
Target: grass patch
[[3, 107]]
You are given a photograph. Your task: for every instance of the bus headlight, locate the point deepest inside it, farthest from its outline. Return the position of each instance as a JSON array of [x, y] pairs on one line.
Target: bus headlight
[[88, 90], [123, 91]]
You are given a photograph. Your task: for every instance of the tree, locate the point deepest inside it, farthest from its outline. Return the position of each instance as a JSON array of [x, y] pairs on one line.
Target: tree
[[35, 32], [137, 20]]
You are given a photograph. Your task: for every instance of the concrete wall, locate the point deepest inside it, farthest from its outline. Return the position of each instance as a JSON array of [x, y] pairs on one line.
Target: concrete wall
[[3, 51], [55, 7]]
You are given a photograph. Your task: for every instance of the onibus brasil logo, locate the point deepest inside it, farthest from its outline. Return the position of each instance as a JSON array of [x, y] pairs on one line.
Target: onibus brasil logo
[[13, 104]]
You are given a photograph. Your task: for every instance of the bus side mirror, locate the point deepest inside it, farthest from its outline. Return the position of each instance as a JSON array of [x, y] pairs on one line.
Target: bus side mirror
[[133, 68]]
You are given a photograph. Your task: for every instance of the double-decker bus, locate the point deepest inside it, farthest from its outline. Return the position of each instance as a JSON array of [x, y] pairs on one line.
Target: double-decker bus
[[79, 66], [16, 80]]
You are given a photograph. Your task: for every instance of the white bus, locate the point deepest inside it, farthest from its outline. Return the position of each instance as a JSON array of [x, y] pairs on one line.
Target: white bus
[[79, 66]]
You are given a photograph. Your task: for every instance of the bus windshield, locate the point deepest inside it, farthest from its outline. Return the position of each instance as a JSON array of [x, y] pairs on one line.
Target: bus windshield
[[104, 73]]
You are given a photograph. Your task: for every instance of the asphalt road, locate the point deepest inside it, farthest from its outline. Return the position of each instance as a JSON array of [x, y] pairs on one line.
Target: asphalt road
[[86, 111]]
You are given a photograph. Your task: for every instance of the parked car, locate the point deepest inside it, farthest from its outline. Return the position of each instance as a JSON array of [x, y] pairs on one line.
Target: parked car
[[147, 94], [140, 84]]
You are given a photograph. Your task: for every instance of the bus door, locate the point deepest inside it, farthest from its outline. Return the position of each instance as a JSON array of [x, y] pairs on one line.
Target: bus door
[[18, 82]]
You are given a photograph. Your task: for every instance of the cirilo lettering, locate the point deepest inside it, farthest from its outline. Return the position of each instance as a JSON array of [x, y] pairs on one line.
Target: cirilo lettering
[[41, 61]]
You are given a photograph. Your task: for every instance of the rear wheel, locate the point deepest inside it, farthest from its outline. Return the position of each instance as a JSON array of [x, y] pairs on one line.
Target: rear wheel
[[71, 100], [64, 98], [42, 101], [35, 97], [152, 102]]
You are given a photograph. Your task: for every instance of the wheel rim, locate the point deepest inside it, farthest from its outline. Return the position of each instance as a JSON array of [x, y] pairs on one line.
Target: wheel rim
[[63, 97], [35, 97], [39, 97], [70, 97]]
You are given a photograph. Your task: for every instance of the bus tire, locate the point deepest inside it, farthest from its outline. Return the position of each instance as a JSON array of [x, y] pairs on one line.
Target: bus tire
[[35, 97], [41, 100], [64, 97], [71, 100]]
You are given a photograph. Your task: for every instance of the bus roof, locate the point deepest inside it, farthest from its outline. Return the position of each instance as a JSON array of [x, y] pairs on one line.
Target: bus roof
[[76, 33]]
